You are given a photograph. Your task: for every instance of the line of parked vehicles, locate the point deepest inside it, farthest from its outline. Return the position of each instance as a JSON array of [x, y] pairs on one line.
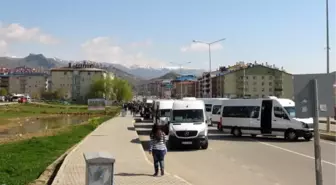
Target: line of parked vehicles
[[20, 98], [186, 121]]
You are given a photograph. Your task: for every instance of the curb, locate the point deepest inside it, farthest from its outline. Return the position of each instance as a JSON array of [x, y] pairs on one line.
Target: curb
[[328, 137], [73, 149], [325, 122], [51, 171]]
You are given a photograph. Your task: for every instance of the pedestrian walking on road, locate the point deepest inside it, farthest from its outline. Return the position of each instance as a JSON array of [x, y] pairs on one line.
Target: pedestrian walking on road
[[158, 148]]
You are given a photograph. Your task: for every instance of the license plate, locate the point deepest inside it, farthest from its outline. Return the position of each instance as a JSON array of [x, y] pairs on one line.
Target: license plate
[[186, 142]]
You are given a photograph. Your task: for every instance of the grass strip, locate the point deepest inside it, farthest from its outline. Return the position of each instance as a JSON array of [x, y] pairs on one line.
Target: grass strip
[[22, 162]]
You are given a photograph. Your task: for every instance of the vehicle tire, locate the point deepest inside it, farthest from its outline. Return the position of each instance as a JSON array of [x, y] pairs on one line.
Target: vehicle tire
[[253, 135], [308, 137], [205, 145], [236, 132], [291, 135]]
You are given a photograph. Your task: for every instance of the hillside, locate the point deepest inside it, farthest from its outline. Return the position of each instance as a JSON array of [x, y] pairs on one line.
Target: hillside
[[170, 75]]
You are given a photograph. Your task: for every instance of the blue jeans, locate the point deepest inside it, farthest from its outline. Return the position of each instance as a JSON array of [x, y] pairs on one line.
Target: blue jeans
[[158, 156]]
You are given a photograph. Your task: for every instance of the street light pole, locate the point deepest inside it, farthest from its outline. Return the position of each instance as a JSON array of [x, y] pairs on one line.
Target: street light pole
[[209, 45], [328, 48], [180, 65]]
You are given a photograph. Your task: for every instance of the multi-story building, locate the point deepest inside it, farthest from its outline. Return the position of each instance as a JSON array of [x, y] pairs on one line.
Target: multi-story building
[[206, 85], [24, 80], [75, 80], [4, 82], [184, 86], [254, 80]]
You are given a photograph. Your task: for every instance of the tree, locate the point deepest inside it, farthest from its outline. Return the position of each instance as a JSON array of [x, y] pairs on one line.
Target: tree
[[3, 92], [123, 90], [111, 89], [101, 88]]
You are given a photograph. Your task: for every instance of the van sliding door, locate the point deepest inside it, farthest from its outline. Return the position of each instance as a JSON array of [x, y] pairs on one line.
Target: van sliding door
[[266, 116]]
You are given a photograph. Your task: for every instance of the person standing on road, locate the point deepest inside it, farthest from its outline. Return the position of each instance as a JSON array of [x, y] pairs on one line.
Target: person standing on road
[[158, 148]]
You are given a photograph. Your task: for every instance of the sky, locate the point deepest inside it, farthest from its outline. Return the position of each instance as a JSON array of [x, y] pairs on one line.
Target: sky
[[287, 33]]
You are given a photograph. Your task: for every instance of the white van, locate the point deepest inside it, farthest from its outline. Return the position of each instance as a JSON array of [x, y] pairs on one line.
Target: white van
[[208, 106], [265, 117], [188, 124], [162, 110], [216, 110]]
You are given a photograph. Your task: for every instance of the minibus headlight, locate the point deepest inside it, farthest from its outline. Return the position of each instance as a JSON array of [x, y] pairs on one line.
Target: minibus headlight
[[202, 133]]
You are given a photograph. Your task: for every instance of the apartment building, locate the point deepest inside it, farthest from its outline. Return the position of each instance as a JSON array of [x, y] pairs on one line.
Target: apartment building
[[254, 80], [4, 82], [31, 84], [75, 80], [184, 86], [24, 80], [205, 85]]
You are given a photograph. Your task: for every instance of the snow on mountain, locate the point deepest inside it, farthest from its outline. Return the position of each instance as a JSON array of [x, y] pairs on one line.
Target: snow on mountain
[[150, 72]]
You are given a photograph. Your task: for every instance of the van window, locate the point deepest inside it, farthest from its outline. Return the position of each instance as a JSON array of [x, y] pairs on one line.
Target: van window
[[290, 111], [164, 112], [241, 111], [208, 107], [216, 109], [280, 113], [187, 115]]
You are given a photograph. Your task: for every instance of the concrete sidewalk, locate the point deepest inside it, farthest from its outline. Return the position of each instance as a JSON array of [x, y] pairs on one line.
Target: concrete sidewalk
[[117, 137]]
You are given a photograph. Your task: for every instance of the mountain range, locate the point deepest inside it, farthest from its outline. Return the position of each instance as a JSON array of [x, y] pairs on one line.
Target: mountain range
[[134, 74]]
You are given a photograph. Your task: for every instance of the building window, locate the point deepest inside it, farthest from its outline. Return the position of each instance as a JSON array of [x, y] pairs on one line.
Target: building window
[[262, 77], [270, 89], [263, 89], [89, 73], [254, 77], [246, 77], [270, 83], [262, 83]]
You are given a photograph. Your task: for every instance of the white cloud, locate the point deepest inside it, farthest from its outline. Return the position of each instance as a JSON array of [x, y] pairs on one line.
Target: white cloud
[[102, 49], [17, 33], [3, 48], [199, 47], [145, 43]]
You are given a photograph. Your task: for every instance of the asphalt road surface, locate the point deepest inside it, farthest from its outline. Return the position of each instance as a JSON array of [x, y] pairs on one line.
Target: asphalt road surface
[[248, 161]]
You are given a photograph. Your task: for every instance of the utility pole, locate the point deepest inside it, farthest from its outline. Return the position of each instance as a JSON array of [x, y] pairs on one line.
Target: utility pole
[[209, 46], [328, 48]]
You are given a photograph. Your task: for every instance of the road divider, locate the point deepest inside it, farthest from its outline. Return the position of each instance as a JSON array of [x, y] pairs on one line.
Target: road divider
[[327, 136]]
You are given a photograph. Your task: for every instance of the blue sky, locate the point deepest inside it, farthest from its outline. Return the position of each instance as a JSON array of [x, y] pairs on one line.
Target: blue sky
[[154, 33]]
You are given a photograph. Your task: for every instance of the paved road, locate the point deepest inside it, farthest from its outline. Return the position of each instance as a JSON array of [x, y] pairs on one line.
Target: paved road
[[249, 161]]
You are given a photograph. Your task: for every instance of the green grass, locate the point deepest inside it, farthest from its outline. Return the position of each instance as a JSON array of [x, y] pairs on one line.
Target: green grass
[[22, 162], [31, 109]]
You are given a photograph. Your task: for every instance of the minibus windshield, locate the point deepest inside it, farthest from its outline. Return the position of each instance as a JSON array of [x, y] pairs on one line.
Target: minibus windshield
[[290, 111], [164, 112], [187, 115]]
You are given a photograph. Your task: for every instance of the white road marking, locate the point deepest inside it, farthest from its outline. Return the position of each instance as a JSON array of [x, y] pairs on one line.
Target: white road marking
[[180, 178], [297, 153]]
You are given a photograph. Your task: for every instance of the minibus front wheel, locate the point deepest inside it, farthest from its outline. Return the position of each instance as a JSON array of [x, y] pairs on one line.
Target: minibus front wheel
[[205, 144], [291, 135]]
